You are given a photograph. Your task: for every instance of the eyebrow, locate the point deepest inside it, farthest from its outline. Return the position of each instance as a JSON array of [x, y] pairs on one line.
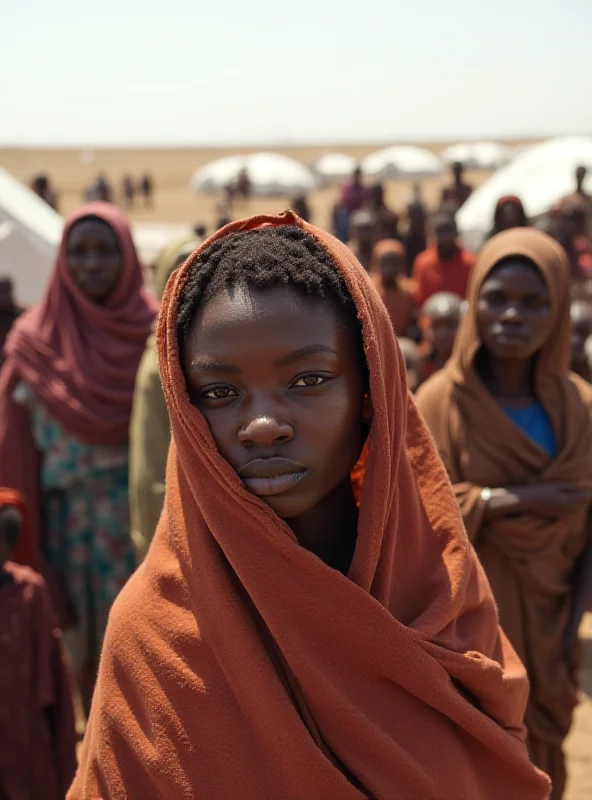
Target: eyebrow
[[209, 365], [303, 352]]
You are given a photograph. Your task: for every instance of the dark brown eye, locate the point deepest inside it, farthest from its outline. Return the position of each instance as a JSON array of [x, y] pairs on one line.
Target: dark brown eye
[[219, 393], [309, 380]]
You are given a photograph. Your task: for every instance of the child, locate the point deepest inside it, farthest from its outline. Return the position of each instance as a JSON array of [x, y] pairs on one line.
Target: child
[[388, 272], [439, 319], [282, 640], [37, 737]]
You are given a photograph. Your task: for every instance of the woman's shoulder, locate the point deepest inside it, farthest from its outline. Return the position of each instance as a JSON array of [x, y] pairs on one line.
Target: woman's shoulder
[[435, 389], [581, 389]]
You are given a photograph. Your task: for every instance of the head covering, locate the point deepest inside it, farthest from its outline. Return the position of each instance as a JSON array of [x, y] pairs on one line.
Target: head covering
[[36, 759], [529, 560], [512, 200], [237, 664], [150, 429], [78, 357]]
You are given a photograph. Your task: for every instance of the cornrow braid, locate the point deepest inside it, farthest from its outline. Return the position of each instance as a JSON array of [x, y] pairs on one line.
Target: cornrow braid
[[264, 258]]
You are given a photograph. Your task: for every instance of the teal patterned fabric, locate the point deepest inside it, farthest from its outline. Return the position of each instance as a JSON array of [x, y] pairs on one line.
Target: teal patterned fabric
[[86, 525]]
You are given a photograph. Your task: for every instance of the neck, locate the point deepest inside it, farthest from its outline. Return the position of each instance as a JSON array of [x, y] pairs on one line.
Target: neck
[[509, 378], [329, 530], [447, 253], [365, 253], [390, 281]]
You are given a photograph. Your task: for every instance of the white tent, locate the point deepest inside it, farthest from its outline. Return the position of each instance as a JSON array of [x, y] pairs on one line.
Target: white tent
[[402, 161], [270, 174], [540, 176], [334, 166], [478, 155], [30, 232]]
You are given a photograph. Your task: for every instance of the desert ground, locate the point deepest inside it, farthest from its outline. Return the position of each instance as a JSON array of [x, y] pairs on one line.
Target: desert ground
[[171, 169]]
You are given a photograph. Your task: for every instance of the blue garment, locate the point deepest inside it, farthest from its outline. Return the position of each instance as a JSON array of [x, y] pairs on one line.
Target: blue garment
[[536, 423]]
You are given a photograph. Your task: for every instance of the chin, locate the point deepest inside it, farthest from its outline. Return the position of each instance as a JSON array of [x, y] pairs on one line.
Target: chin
[[514, 352], [288, 507]]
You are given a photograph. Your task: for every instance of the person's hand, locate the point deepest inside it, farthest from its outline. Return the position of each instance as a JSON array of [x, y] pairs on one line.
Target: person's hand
[[553, 500]]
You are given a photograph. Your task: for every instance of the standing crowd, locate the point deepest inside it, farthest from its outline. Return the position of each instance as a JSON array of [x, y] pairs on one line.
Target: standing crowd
[[268, 569]]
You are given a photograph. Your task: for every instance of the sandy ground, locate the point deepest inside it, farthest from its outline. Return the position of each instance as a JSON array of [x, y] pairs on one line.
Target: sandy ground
[[176, 204]]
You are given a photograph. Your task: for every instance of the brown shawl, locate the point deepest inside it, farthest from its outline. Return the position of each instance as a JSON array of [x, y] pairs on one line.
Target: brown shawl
[[238, 665], [529, 560]]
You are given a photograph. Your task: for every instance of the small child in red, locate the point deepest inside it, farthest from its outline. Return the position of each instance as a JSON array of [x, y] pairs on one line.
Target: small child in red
[[37, 735]]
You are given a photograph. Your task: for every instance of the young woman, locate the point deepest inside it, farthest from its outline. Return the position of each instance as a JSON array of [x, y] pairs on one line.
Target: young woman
[[65, 401], [286, 636], [150, 429], [513, 427]]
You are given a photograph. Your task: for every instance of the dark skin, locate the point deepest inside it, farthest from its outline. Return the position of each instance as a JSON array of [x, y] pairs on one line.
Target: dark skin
[[444, 315], [581, 173], [6, 295], [392, 267], [94, 259], [509, 216], [446, 234], [287, 409], [581, 329], [10, 528]]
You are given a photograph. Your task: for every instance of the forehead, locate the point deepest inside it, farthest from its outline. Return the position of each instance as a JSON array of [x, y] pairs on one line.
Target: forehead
[[263, 319], [515, 273], [91, 229]]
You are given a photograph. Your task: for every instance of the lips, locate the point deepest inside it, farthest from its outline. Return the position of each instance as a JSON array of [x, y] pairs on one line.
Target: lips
[[511, 336], [265, 477]]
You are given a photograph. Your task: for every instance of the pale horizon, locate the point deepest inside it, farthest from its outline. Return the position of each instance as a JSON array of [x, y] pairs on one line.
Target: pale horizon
[[172, 75]]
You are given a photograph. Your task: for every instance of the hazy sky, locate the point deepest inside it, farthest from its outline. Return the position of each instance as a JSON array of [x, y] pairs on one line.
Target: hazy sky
[[257, 71]]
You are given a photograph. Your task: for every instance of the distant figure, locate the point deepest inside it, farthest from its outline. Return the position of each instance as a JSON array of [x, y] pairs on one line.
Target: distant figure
[[388, 270], [581, 173], [147, 190], [9, 311], [354, 194], [458, 192], [386, 221], [100, 190], [243, 186], [38, 753], [573, 237], [509, 213], [128, 189], [439, 319], [200, 230], [445, 267], [222, 222], [581, 330], [416, 239], [362, 236], [300, 205], [41, 185], [411, 355]]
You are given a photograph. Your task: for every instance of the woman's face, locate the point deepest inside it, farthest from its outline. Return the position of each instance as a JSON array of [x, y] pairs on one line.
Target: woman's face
[[93, 258], [514, 311], [285, 406]]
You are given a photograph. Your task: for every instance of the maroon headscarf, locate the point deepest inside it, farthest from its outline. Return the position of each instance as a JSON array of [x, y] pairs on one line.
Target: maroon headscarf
[[79, 358]]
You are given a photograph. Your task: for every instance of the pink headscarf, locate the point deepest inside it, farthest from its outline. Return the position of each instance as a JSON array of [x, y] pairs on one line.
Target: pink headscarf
[[79, 358]]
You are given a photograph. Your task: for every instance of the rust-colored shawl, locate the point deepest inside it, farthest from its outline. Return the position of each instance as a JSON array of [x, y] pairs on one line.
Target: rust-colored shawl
[[237, 665], [529, 560], [79, 358]]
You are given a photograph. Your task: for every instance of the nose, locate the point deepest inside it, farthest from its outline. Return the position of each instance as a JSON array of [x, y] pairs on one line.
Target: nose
[[263, 431], [511, 314]]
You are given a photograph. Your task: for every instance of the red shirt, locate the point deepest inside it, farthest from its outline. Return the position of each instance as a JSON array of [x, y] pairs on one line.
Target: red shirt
[[433, 274]]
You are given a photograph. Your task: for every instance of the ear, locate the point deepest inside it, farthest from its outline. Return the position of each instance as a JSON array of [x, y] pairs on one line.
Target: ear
[[367, 410]]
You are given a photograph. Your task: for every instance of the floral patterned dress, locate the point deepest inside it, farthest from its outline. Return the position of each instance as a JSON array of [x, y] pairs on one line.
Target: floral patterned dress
[[86, 525]]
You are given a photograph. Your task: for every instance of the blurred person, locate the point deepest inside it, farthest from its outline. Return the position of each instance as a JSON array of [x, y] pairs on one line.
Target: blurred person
[[37, 735], [581, 330], [353, 193], [301, 207], [509, 213], [388, 270], [128, 189], [362, 232], [147, 189], [150, 433], [200, 230], [514, 429], [41, 185], [445, 267], [386, 220], [439, 319], [415, 239], [458, 192], [66, 391], [10, 311], [410, 352], [295, 631], [573, 237], [580, 193], [243, 186], [222, 222], [100, 191]]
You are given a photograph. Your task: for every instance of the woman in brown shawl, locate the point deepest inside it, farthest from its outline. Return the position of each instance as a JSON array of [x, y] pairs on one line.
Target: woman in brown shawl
[[514, 430]]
